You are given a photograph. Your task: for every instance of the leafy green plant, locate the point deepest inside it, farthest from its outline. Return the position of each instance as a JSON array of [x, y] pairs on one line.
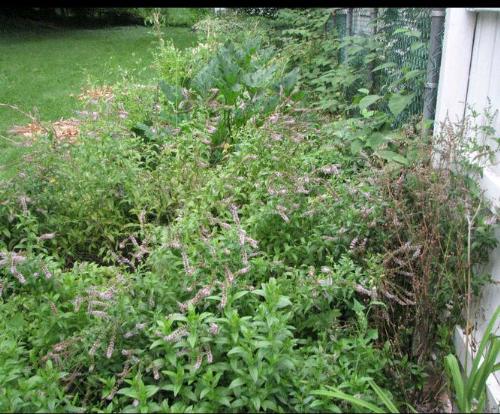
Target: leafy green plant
[[389, 405], [470, 388]]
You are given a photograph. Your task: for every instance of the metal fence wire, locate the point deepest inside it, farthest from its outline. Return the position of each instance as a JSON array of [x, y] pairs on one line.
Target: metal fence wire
[[408, 52]]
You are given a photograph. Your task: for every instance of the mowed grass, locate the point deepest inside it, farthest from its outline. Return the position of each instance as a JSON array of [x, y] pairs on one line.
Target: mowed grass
[[43, 68], [40, 68]]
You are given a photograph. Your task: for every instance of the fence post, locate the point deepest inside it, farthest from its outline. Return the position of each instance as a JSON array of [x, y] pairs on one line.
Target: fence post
[[373, 19], [349, 22], [371, 66], [433, 62], [334, 17]]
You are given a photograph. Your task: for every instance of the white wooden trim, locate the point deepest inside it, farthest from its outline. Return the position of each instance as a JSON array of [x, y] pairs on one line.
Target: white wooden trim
[[455, 64], [483, 9], [468, 63], [490, 183]]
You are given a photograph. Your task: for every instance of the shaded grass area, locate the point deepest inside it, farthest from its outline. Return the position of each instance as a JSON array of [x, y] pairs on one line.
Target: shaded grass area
[[42, 66]]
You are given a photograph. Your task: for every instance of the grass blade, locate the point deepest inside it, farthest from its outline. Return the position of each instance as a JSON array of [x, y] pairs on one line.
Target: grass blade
[[383, 396], [349, 398], [453, 369]]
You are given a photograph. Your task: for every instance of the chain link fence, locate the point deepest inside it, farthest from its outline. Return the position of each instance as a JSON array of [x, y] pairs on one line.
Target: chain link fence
[[406, 34]]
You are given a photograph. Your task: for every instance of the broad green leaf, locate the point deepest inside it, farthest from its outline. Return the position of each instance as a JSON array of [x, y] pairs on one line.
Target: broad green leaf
[[367, 101], [177, 317], [254, 373], [269, 405], [204, 392], [413, 74], [191, 340], [256, 403], [240, 294], [172, 92], [398, 103], [177, 388], [262, 344], [225, 401], [356, 146], [392, 156], [238, 382], [237, 350], [129, 392], [290, 80], [151, 390], [416, 46], [375, 140], [384, 66], [283, 302]]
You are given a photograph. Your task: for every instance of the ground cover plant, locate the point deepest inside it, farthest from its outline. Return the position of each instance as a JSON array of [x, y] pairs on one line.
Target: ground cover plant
[[216, 242]]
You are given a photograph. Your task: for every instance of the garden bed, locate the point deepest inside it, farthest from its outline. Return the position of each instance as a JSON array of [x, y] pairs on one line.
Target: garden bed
[[223, 241]]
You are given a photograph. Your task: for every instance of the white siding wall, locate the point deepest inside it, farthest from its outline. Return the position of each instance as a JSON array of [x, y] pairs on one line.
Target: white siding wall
[[484, 84], [470, 75]]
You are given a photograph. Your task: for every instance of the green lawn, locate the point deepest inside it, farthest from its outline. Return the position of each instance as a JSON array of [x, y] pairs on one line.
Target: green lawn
[[41, 68]]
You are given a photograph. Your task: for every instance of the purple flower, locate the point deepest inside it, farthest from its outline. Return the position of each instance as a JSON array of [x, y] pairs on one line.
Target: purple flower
[[123, 114], [209, 355], [111, 347], [176, 335], [326, 282], [234, 212], [199, 360], [17, 275], [94, 347], [107, 295], [229, 275], [353, 244], [252, 242], [223, 300], [274, 118], [99, 314], [281, 211], [330, 169], [213, 329], [243, 271], [47, 236], [24, 200], [45, 270], [185, 261]]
